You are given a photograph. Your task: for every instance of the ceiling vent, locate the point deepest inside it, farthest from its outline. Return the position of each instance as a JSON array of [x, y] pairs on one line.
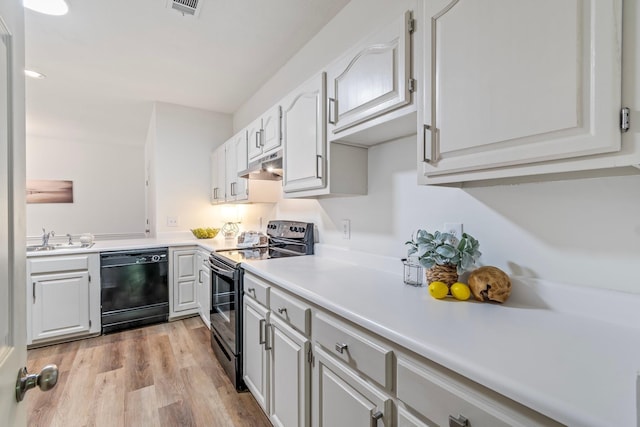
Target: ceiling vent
[[186, 7]]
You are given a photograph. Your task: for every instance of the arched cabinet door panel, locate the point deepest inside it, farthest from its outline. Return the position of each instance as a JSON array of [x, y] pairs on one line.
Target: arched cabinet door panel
[[518, 82]]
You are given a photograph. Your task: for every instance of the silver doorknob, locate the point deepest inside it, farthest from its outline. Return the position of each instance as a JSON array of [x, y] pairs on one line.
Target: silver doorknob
[[46, 380]]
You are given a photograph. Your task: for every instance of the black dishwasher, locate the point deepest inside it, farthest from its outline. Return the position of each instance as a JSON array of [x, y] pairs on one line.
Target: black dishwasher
[[134, 288]]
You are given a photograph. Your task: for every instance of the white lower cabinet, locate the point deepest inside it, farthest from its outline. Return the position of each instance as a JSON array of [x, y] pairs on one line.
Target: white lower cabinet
[[277, 358], [204, 287], [63, 298], [344, 399], [255, 362], [60, 304], [308, 367], [289, 375], [184, 276], [445, 398]]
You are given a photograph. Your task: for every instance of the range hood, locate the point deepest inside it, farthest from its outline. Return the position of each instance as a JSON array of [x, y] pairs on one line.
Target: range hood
[[267, 168]]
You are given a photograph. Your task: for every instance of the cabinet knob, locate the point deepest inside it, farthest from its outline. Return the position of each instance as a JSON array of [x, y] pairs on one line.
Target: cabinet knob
[[282, 310], [341, 347], [460, 421]]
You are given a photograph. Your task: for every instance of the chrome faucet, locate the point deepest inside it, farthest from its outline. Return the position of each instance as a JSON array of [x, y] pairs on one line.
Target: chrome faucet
[[70, 239], [46, 236]]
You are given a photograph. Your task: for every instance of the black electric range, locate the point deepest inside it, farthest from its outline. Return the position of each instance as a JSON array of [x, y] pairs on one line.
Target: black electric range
[[285, 239]]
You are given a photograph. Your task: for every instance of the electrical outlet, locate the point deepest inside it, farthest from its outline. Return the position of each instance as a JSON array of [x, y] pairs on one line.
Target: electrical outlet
[[346, 229], [172, 221], [453, 228]]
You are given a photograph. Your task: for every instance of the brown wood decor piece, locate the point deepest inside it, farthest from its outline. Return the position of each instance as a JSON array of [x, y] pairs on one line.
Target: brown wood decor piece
[[443, 273]]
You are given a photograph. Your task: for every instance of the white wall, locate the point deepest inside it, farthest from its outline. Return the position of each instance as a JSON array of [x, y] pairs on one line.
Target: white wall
[[184, 139], [584, 231], [108, 187]]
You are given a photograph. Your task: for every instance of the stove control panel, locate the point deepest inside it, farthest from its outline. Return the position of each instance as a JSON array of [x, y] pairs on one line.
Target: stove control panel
[[290, 229]]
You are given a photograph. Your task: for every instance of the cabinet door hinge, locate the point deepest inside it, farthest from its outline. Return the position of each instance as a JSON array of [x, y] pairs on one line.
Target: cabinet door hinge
[[411, 23], [310, 358], [89, 323], [89, 278], [625, 123], [411, 84]]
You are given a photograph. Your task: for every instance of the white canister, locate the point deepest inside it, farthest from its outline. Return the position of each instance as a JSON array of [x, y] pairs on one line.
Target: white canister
[[86, 238]]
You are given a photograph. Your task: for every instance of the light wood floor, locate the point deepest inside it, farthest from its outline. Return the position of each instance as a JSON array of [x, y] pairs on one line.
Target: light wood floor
[[160, 375]]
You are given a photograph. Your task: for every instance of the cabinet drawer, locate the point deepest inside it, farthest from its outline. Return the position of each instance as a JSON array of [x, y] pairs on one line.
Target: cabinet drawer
[[58, 263], [439, 395], [355, 347], [291, 310], [257, 288]]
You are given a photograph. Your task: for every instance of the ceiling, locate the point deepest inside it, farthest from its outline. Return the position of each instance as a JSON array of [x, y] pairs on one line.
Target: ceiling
[[107, 61]]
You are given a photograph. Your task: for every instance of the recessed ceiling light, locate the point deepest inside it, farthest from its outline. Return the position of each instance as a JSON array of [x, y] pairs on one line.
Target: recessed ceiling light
[[48, 7], [34, 74]]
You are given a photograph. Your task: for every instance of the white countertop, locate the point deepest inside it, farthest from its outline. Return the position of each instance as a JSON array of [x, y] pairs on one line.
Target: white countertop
[[216, 244], [571, 353], [568, 352]]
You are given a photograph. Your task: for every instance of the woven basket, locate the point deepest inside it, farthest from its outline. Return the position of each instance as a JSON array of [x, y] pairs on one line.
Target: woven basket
[[443, 273]]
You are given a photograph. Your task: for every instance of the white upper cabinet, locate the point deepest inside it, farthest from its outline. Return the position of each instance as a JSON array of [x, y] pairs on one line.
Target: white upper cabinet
[[304, 136], [227, 187], [370, 80], [508, 83], [218, 170], [264, 134], [236, 161]]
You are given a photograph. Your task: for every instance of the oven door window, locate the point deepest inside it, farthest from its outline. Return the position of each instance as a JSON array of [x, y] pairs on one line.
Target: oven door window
[[223, 309]]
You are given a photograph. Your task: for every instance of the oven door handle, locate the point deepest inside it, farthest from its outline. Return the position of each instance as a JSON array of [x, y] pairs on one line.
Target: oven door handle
[[221, 272]]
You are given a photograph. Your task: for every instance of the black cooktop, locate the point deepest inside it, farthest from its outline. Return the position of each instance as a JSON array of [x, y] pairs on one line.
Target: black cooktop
[[237, 256], [286, 239]]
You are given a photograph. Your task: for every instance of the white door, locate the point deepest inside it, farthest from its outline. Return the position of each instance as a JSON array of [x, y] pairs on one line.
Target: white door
[[289, 375], [217, 175], [240, 143], [13, 347], [205, 304], [372, 79], [185, 272], [254, 139], [271, 135], [60, 305], [255, 368], [304, 136], [345, 400], [512, 82], [231, 175]]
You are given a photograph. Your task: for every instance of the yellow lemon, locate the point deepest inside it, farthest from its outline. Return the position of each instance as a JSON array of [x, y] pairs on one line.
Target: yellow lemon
[[438, 290], [460, 291]]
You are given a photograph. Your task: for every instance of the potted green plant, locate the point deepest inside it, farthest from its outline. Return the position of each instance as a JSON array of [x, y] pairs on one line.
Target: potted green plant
[[443, 255]]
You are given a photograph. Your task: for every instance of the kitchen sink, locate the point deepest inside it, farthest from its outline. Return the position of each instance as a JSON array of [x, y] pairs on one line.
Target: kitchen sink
[[57, 247], [39, 248]]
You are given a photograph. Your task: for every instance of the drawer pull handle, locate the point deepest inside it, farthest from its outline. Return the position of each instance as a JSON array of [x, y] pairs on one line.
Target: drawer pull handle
[[375, 417], [332, 111], [261, 328], [341, 347], [268, 338], [251, 291], [460, 421], [282, 310]]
